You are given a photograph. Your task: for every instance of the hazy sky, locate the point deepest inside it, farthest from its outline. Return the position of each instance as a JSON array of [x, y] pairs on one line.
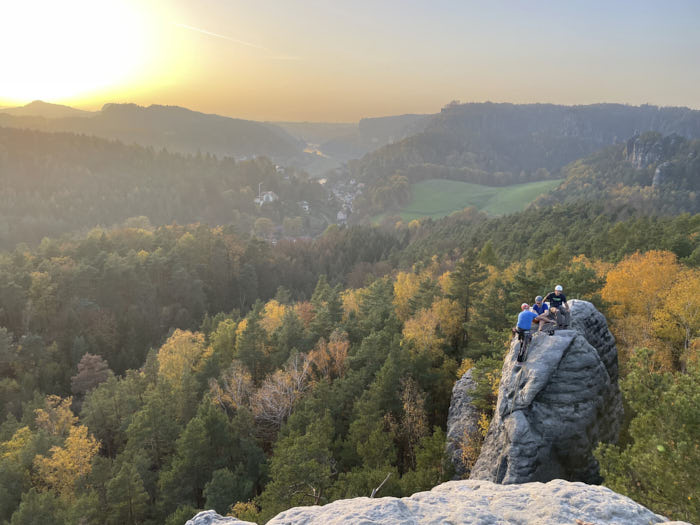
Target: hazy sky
[[338, 60]]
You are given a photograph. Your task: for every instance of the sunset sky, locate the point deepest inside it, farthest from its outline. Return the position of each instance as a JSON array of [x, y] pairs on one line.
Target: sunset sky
[[343, 60]]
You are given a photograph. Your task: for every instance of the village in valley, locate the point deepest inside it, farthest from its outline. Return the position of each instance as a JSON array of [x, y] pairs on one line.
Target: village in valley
[[341, 192]]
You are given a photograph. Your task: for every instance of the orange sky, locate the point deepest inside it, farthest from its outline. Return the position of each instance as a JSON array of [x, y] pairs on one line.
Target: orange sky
[[342, 60]]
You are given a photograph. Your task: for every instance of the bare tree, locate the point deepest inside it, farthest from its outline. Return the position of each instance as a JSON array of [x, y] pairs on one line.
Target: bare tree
[[234, 389], [272, 403]]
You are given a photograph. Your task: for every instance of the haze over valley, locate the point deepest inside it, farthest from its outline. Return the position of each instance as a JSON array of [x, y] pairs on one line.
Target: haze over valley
[[304, 262]]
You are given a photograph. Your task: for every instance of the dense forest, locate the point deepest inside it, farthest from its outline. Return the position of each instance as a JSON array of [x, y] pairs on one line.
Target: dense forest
[[56, 183], [150, 372]]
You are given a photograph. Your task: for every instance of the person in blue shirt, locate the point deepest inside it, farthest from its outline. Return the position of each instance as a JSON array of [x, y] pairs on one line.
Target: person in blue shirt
[[526, 317], [542, 310], [540, 306], [523, 327], [548, 320]]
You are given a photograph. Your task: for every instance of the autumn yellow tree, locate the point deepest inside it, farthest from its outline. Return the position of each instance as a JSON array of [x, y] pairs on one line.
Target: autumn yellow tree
[[241, 327], [449, 317], [56, 417], [352, 299], [420, 331], [677, 320], [184, 351], [65, 465], [636, 287], [413, 422], [272, 316], [636, 284], [445, 282], [405, 287], [12, 449]]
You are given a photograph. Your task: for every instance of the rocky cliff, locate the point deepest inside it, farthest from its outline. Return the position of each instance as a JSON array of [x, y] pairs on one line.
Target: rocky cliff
[[474, 502], [554, 409], [651, 148], [462, 421]]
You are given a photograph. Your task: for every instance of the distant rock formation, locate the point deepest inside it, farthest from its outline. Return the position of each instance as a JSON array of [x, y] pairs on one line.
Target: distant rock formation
[[481, 502], [660, 173], [651, 148], [210, 517], [462, 421], [554, 409]]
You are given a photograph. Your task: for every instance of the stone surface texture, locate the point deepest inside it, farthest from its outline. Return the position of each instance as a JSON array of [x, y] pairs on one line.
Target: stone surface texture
[[483, 503], [554, 409], [462, 420], [210, 517]]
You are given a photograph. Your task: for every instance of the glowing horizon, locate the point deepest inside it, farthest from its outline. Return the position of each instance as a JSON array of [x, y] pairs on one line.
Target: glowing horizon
[[341, 61]]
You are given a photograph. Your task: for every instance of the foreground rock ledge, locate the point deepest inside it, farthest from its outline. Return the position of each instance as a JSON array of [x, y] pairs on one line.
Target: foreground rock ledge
[[479, 502]]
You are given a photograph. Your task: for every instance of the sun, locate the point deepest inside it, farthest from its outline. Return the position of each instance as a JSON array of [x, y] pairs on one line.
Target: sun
[[64, 50]]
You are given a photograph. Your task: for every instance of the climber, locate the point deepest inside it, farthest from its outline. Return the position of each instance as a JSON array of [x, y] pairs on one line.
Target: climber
[[539, 307], [548, 320], [523, 329], [558, 300]]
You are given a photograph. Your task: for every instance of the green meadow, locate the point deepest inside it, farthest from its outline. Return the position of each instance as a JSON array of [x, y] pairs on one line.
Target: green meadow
[[440, 197]]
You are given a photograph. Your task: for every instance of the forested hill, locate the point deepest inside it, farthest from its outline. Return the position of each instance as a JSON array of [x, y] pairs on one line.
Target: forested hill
[[505, 144], [171, 127], [651, 173], [147, 374], [517, 138], [56, 183]]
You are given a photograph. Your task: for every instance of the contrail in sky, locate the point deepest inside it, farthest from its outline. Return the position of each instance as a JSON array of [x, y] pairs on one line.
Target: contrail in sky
[[217, 35]]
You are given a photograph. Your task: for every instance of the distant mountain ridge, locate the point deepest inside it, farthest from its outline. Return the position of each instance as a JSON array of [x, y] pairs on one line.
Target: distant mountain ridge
[[39, 108], [512, 138], [171, 127]]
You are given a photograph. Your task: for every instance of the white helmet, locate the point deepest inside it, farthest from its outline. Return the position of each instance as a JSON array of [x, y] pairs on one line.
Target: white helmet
[[558, 288]]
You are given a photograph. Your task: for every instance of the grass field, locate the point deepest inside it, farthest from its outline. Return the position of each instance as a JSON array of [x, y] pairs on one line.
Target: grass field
[[439, 197]]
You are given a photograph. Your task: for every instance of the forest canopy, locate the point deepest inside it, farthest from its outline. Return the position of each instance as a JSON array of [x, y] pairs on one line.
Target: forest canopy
[[150, 372]]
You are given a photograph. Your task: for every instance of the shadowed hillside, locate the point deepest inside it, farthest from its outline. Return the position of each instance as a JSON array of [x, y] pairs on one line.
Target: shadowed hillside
[[171, 127]]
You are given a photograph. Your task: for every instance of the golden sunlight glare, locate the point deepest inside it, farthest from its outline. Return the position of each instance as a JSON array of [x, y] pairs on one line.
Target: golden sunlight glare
[[58, 50]]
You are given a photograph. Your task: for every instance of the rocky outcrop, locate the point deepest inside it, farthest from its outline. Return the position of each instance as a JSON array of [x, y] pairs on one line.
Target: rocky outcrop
[[660, 174], [481, 502], [554, 409], [651, 148], [462, 421], [210, 517], [473, 502]]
